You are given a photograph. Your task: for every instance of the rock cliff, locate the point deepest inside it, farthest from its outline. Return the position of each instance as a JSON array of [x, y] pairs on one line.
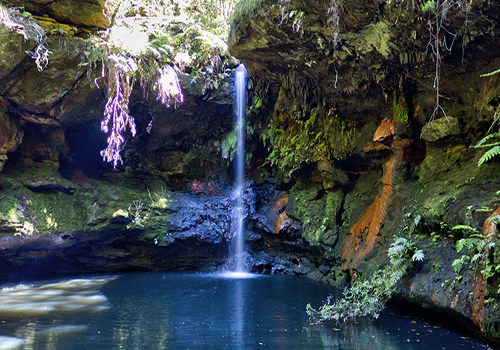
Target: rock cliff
[[367, 110], [409, 81]]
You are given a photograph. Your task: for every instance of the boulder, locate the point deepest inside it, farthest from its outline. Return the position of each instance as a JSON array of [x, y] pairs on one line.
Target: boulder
[[440, 128], [86, 13]]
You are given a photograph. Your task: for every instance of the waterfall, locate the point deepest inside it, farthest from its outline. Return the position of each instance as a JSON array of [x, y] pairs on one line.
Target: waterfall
[[239, 213]]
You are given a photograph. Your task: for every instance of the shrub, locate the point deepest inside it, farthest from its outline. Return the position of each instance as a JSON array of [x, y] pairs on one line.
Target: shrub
[[367, 297]]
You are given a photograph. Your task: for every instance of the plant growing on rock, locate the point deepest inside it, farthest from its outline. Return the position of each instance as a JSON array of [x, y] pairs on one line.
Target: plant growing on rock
[[439, 43], [492, 139], [140, 214], [229, 146], [475, 249], [150, 43], [24, 24], [367, 297], [320, 138]]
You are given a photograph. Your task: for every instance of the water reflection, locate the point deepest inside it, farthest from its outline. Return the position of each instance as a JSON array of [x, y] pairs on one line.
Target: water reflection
[[204, 311], [141, 323], [238, 306]]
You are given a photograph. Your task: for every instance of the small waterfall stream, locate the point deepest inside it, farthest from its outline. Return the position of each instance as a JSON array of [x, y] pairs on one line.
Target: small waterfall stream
[[239, 213]]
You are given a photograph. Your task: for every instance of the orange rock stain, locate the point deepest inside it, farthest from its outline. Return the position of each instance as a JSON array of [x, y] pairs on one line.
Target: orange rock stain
[[282, 222], [280, 204], [479, 293], [357, 246], [384, 131]]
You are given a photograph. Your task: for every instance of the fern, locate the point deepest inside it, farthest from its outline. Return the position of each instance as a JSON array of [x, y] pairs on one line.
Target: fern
[[476, 257], [488, 155], [459, 263], [367, 297], [481, 142], [489, 74], [464, 227], [468, 243], [418, 256]]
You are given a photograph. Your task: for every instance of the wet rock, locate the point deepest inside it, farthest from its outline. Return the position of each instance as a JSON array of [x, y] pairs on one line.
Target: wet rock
[[198, 234], [204, 219], [317, 212], [324, 269], [385, 131], [332, 176]]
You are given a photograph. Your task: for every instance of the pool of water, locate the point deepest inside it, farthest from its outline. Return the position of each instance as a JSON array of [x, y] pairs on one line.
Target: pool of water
[[197, 311]]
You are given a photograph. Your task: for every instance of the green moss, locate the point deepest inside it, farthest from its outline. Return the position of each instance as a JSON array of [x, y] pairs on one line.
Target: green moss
[[90, 207], [9, 212], [322, 137], [120, 212], [317, 212], [400, 110], [8, 203], [244, 10], [375, 36], [491, 323]]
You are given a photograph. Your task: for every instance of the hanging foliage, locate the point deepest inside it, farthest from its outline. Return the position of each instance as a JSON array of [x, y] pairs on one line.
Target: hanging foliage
[[151, 41]]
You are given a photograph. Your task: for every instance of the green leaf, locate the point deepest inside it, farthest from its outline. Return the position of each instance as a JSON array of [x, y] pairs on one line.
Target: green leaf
[[488, 155], [489, 74], [475, 257], [418, 256], [464, 228]]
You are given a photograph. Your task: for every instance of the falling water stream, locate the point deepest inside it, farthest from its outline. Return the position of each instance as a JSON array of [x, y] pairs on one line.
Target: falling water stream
[[236, 310], [239, 213]]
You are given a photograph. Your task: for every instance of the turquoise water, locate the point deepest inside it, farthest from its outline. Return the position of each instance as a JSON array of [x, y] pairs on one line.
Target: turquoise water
[[200, 311]]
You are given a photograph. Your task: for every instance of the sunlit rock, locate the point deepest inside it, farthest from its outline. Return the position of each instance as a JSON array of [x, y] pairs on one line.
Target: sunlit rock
[[87, 13], [13, 47]]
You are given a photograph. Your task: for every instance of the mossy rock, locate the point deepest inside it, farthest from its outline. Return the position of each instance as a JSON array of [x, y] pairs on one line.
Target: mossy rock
[[317, 211], [90, 206]]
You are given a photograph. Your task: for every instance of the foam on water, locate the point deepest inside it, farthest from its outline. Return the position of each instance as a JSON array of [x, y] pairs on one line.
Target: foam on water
[[10, 342], [237, 274], [69, 328], [65, 296]]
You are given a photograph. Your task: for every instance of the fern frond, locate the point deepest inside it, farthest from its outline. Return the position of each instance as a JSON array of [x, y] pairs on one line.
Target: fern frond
[[464, 228], [466, 243], [481, 142], [488, 155], [489, 74], [418, 256], [488, 145], [496, 116], [475, 257], [457, 265]]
